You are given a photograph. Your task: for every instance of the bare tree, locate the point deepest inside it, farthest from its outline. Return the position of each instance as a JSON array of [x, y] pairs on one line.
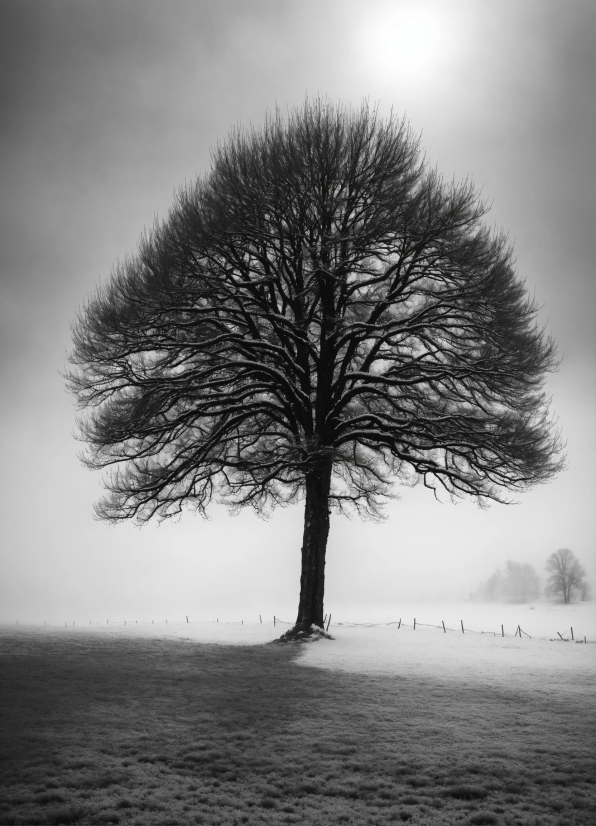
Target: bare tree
[[566, 575], [492, 589], [518, 583], [521, 582], [585, 590], [318, 317]]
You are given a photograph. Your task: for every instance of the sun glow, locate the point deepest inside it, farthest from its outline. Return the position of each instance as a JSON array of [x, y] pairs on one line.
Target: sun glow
[[414, 41]]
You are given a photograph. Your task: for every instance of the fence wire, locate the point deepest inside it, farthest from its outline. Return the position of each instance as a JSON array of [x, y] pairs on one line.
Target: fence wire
[[565, 636]]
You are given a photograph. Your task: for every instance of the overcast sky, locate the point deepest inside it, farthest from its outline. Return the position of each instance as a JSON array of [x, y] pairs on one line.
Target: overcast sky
[[107, 108]]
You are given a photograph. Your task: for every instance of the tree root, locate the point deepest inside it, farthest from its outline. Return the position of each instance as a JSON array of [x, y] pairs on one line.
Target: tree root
[[313, 633]]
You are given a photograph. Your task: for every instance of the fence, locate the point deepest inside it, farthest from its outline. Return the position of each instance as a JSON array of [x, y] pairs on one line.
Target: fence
[[518, 631], [561, 637]]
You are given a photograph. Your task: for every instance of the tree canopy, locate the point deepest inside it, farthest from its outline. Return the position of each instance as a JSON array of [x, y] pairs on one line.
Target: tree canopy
[[566, 575], [319, 309]]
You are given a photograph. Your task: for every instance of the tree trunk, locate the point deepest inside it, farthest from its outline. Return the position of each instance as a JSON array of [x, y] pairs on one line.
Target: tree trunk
[[314, 546]]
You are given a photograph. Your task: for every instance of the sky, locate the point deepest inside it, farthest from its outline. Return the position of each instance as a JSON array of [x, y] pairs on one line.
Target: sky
[[108, 108]]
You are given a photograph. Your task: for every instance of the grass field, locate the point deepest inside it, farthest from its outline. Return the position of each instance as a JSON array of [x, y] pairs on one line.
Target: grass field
[[99, 729]]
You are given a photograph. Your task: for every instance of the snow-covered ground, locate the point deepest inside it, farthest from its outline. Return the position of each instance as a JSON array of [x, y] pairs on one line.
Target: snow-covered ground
[[536, 662], [538, 619], [528, 663], [467, 659]]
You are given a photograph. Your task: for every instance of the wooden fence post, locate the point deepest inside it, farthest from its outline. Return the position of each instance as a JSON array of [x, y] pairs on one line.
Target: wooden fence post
[[462, 626], [572, 637], [502, 630], [187, 617], [443, 621], [329, 623], [414, 623]]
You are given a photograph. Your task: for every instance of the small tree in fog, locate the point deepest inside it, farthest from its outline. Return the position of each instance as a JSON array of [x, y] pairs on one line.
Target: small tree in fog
[[585, 590], [492, 589], [521, 582], [566, 575], [317, 318], [518, 583]]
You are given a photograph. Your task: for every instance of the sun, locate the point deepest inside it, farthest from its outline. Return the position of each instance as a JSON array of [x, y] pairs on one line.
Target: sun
[[416, 41]]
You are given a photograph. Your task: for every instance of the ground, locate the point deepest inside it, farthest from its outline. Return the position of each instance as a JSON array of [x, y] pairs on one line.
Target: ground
[[104, 728]]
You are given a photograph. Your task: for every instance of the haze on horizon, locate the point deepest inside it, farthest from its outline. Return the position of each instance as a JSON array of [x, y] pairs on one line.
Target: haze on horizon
[[109, 108]]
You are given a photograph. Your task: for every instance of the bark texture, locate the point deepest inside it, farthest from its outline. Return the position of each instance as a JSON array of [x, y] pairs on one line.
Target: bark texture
[[314, 547]]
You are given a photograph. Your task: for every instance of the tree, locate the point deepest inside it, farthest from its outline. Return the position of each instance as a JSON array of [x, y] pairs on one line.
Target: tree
[[492, 589], [317, 317], [585, 590], [521, 582], [518, 583], [566, 575]]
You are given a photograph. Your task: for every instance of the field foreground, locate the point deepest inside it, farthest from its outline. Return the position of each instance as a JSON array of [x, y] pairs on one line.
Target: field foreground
[[378, 726]]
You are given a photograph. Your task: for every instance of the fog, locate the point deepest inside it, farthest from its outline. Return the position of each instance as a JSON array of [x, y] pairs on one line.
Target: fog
[[108, 108]]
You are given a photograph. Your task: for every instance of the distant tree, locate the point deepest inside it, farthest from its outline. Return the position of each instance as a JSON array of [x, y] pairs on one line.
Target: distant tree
[[318, 317], [585, 590], [521, 582], [492, 589], [566, 575]]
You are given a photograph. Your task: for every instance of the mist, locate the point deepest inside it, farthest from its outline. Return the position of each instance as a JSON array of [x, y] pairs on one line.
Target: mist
[[109, 108]]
